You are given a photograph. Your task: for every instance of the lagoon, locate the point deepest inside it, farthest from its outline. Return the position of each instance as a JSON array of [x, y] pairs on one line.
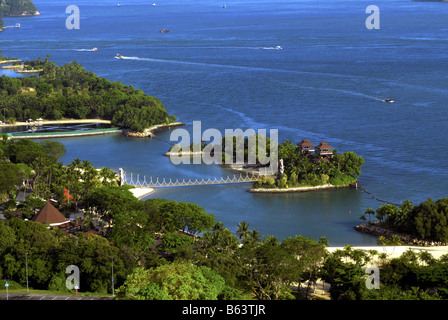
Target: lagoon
[[217, 65]]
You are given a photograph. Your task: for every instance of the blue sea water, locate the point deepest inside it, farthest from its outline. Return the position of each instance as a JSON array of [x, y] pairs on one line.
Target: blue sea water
[[218, 65]]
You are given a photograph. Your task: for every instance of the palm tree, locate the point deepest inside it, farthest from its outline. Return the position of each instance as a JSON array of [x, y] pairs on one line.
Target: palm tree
[[108, 176], [369, 211], [243, 229], [254, 236]]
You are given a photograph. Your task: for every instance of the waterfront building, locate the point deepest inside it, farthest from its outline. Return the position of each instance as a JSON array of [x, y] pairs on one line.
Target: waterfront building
[[306, 146], [324, 149]]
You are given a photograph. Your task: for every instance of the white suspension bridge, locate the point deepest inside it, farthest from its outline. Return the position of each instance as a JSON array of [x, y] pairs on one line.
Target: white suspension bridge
[[156, 182]]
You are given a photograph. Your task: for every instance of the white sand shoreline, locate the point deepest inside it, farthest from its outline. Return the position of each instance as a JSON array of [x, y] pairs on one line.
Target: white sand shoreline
[[296, 189], [63, 121], [397, 251], [140, 192]]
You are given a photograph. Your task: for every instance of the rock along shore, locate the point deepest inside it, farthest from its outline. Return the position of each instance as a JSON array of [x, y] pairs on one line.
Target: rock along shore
[[297, 189], [380, 229], [149, 132]]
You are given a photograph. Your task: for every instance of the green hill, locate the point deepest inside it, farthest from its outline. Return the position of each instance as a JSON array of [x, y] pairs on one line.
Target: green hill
[[10, 8]]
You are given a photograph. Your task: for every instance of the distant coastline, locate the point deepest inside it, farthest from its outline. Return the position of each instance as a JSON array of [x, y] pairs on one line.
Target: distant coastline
[[25, 14]]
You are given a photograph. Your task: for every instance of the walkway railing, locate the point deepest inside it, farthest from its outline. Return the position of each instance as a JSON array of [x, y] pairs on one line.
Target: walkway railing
[[155, 182]]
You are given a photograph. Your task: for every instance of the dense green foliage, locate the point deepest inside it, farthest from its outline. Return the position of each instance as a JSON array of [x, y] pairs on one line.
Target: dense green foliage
[[412, 276], [16, 8], [36, 163], [153, 259], [427, 220], [70, 91], [301, 169]]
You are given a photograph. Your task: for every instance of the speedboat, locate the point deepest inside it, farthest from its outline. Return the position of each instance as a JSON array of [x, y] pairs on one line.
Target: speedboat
[[94, 49], [389, 100], [278, 48], [119, 56]]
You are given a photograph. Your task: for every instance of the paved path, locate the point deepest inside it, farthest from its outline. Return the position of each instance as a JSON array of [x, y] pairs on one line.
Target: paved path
[[29, 296]]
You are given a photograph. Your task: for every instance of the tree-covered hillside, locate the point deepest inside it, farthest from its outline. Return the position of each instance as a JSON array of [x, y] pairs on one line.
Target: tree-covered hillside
[[16, 8], [70, 91]]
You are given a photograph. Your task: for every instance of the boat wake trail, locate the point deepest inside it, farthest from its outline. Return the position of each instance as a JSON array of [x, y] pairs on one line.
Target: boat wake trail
[[230, 66], [348, 92], [84, 50]]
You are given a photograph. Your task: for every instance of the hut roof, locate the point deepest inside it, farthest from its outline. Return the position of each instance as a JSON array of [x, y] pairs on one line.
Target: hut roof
[[324, 145], [305, 143], [49, 214]]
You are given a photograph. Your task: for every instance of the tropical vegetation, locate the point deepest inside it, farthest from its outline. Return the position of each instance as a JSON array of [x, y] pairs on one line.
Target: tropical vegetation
[[303, 170], [16, 8], [426, 221], [70, 91]]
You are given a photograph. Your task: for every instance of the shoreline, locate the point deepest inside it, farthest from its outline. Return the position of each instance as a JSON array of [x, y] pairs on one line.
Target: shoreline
[[379, 229], [397, 251], [96, 132], [296, 189], [62, 121], [141, 192], [149, 132]]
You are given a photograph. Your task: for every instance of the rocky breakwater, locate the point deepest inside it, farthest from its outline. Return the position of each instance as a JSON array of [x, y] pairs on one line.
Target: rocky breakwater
[[379, 229], [149, 132]]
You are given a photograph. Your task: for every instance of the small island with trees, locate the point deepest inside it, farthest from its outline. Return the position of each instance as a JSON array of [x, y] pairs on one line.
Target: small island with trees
[[302, 166], [16, 8], [305, 167]]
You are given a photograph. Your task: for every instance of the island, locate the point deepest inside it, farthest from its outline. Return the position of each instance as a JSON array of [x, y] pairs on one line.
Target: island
[[302, 166], [306, 167], [55, 92], [16, 8]]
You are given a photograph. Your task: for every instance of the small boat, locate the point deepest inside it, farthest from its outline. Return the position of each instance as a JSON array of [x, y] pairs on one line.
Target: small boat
[[119, 56], [389, 100], [278, 48], [154, 4], [164, 31], [94, 49]]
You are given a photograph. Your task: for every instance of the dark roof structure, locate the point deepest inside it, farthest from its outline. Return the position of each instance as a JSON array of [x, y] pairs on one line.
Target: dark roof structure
[[49, 214], [305, 143]]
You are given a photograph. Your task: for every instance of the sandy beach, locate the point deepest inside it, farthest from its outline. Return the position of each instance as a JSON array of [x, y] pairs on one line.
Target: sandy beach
[[62, 121], [297, 189], [397, 251], [141, 192]]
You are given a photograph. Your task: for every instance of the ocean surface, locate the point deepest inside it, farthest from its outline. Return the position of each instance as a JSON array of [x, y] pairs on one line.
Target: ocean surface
[[219, 66]]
